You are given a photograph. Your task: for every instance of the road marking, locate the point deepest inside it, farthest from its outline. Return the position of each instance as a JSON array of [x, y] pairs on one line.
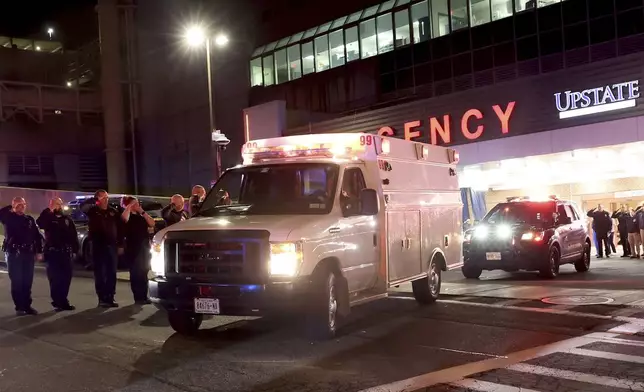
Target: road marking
[[607, 355], [577, 376], [627, 329], [486, 386], [626, 342], [511, 302], [464, 352]]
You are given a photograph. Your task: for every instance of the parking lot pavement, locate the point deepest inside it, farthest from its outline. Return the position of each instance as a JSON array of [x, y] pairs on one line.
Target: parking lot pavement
[[133, 349]]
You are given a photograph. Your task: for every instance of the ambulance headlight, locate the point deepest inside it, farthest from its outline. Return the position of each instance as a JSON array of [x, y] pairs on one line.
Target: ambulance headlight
[[504, 232], [157, 260], [481, 232], [286, 258]]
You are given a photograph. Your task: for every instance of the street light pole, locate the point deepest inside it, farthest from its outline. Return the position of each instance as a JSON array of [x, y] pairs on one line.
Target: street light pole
[[214, 150]]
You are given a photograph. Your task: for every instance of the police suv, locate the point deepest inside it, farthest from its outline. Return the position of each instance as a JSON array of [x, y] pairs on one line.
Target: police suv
[[530, 235]]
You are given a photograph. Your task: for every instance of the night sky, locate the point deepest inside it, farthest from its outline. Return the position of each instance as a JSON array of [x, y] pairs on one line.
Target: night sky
[[74, 20]]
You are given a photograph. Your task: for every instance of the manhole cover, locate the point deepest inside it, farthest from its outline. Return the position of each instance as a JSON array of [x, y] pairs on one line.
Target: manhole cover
[[577, 300]]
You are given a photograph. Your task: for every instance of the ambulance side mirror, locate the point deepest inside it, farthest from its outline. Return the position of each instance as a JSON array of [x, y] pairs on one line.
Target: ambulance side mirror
[[368, 202]]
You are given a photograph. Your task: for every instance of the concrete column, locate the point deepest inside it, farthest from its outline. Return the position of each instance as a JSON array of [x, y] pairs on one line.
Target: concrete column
[[112, 95]]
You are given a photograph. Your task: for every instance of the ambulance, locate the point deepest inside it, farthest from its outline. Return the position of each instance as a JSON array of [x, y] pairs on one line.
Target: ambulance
[[313, 224]]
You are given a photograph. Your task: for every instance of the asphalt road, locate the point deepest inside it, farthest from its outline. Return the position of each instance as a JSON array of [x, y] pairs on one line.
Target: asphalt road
[[133, 349]]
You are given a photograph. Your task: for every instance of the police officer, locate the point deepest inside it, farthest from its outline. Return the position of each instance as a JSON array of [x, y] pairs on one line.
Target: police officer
[[198, 196], [105, 231], [23, 246], [137, 247], [61, 244], [174, 212]]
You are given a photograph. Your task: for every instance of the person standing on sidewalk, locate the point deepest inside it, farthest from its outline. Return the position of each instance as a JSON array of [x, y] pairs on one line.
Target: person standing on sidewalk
[[105, 231], [602, 225], [23, 247], [634, 235], [622, 217], [61, 245], [639, 216], [137, 247]]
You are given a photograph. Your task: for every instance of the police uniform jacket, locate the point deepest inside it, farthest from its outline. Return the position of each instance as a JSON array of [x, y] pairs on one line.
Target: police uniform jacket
[[21, 232], [60, 231], [105, 227], [172, 216]]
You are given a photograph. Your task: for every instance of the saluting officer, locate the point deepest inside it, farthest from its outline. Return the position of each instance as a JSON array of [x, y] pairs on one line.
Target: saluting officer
[[137, 247], [198, 196], [174, 212], [105, 231], [23, 246], [61, 244]]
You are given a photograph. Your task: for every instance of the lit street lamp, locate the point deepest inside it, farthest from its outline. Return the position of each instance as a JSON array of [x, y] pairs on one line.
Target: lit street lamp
[[50, 31], [196, 36]]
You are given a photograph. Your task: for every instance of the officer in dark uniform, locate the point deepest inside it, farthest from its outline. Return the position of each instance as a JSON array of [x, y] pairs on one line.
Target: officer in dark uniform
[[23, 246], [198, 196], [105, 231], [137, 247], [61, 244], [174, 212]]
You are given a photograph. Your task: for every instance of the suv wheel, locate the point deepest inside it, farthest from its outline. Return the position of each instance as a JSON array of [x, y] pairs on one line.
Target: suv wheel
[[185, 323], [583, 264], [551, 269], [471, 272]]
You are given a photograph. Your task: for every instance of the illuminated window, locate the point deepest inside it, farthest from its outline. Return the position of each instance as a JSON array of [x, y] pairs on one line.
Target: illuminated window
[[351, 42], [294, 62], [401, 21], [479, 12], [281, 66], [308, 60], [440, 17], [369, 45], [336, 43], [385, 30], [459, 14], [256, 72], [501, 9], [522, 5], [545, 3], [269, 77], [420, 21], [322, 53]]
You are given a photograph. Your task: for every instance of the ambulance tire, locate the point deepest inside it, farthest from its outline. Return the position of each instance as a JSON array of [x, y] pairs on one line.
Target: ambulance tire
[[185, 323], [323, 317], [471, 272], [427, 289]]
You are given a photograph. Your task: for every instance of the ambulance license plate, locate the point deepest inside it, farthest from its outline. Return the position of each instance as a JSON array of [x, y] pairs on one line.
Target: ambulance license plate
[[493, 255], [207, 306]]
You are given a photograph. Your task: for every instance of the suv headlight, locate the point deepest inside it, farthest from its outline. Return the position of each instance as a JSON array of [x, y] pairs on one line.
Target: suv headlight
[[286, 258], [157, 261]]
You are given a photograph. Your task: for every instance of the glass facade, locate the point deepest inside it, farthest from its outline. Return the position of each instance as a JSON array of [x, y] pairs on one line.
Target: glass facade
[[403, 34], [336, 43], [377, 29], [384, 26], [322, 53], [351, 43], [420, 21], [368, 42]]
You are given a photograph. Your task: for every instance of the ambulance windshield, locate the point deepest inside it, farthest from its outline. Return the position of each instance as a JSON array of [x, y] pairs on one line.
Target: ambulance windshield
[[281, 189]]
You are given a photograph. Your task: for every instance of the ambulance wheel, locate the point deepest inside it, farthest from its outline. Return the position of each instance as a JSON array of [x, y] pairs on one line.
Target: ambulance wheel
[[427, 289], [185, 323], [323, 317], [471, 272]]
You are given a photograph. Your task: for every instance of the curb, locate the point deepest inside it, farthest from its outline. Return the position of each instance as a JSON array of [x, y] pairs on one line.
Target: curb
[[79, 273]]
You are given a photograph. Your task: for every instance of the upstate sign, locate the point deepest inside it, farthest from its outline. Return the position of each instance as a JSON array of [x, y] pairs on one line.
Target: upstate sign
[[440, 129], [597, 100]]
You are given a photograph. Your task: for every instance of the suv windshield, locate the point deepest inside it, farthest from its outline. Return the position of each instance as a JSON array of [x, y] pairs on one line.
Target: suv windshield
[[524, 212], [284, 189]]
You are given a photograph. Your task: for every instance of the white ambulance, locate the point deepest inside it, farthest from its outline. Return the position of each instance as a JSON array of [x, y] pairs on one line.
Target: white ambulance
[[316, 223]]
